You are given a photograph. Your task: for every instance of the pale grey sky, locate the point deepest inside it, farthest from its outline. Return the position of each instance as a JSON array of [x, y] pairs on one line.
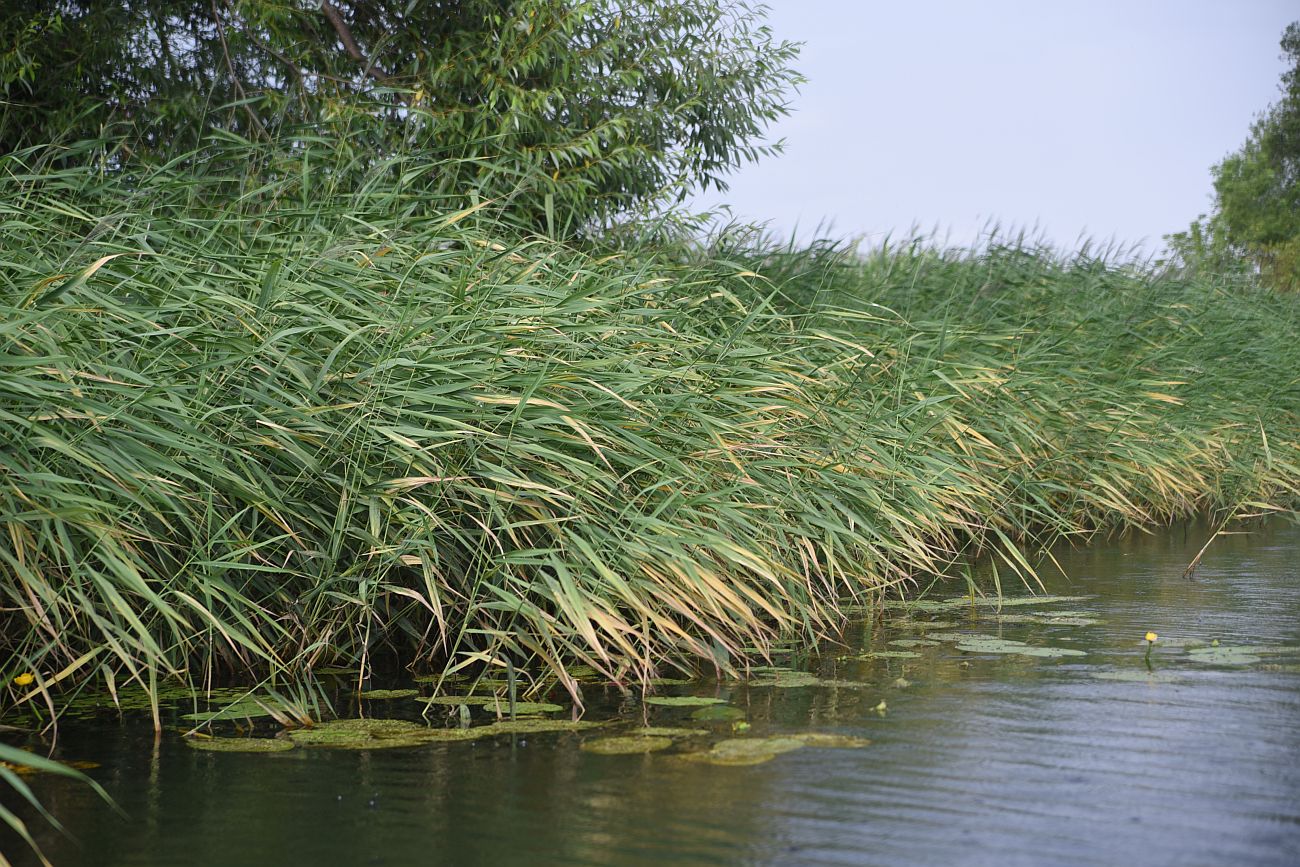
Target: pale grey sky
[[1095, 118]]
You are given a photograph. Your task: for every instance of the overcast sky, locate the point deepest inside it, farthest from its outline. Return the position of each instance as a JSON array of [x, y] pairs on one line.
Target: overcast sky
[[1097, 119]]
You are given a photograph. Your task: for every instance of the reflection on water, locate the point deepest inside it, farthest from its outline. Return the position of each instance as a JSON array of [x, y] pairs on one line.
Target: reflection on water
[[979, 757]]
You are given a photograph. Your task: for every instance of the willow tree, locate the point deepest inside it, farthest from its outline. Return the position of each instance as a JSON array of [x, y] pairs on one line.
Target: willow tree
[[576, 110]]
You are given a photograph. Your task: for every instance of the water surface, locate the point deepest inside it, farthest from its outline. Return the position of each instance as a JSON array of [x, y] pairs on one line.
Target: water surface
[[976, 757]]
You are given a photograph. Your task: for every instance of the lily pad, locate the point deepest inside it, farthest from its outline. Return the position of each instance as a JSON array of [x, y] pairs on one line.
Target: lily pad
[[889, 654], [378, 694], [240, 745], [745, 751], [247, 708], [1014, 601], [829, 741], [682, 700], [529, 726], [627, 745], [1223, 655], [444, 678], [788, 679], [924, 605], [718, 713], [471, 700], [1048, 618], [522, 707], [959, 636], [1135, 676], [1048, 652], [669, 732], [366, 734], [1002, 645], [913, 642]]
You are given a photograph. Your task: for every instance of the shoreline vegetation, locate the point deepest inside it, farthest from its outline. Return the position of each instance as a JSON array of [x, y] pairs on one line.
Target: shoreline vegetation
[[256, 425]]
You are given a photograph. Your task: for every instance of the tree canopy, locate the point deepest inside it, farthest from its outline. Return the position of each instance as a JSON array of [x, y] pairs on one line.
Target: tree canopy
[[1256, 212], [575, 111]]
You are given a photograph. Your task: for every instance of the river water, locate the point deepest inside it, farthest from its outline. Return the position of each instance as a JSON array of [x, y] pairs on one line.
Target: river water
[[977, 756]]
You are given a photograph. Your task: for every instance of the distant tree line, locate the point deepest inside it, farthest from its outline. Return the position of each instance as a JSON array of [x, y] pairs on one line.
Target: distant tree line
[[1256, 213]]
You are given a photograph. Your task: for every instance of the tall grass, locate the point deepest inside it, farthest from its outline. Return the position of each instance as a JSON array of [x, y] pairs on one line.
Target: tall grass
[[258, 423]]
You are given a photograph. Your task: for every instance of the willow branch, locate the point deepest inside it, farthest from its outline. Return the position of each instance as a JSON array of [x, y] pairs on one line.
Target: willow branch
[[354, 51]]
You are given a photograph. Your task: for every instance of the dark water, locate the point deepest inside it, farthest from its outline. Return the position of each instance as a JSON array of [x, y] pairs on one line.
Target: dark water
[[980, 759]]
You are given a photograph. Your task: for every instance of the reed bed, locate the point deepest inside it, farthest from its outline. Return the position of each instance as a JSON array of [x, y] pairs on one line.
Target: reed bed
[[262, 415]]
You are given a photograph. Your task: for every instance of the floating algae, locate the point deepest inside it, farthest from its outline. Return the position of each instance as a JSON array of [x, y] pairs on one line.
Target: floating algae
[[1224, 655], [718, 713], [627, 745], [443, 678], [888, 654], [492, 702], [377, 694], [682, 700], [246, 708], [132, 698], [1003, 645], [786, 678], [529, 726], [829, 741], [670, 732], [793, 679], [240, 745], [523, 708], [745, 751], [1012, 601], [1048, 619], [1134, 676], [369, 734]]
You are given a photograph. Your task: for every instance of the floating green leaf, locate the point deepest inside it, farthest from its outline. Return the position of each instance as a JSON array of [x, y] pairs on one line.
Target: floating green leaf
[[913, 642]]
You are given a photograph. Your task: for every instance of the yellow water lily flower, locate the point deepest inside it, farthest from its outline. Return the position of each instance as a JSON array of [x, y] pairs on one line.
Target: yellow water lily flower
[[25, 678], [1151, 636]]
